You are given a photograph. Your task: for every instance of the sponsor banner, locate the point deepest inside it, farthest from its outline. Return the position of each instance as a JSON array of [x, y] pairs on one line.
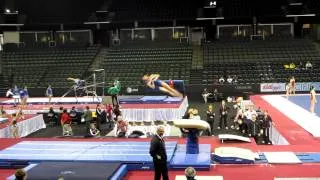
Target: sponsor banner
[[305, 86], [244, 87], [280, 87], [272, 87]]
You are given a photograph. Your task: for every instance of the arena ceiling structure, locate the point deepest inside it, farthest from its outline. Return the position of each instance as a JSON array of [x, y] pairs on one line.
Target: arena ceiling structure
[[117, 13]]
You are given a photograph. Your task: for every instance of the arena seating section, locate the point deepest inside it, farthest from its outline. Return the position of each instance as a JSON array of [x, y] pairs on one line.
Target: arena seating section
[[40, 67], [129, 64], [259, 61], [251, 61]]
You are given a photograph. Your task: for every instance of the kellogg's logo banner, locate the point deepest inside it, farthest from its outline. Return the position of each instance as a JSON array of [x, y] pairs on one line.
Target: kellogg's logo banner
[[272, 87], [281, 87]]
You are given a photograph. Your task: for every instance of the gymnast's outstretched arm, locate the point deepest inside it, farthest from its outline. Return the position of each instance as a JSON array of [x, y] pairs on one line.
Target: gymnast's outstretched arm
[[71, 79], [154, 77], [151, 84]]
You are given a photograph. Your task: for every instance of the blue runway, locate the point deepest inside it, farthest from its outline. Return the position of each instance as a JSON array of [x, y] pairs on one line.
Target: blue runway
[[39, 151], [304, 102]]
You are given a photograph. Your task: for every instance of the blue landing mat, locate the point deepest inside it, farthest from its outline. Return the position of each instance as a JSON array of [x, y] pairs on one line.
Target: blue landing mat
[[181, 160], [150, 100], [153, 98], [304, 102], [72, 171], [66, 151]]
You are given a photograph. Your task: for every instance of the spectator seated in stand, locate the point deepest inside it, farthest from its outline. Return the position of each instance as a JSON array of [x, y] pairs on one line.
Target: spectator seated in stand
[[290, 66], [205, 95], [300, 67], [221, 80], [308, 65], [229, 80]]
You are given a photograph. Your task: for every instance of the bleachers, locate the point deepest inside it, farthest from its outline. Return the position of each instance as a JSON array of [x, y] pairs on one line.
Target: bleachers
[[259, 61], [252, 62], [129, 64], [38, 68]]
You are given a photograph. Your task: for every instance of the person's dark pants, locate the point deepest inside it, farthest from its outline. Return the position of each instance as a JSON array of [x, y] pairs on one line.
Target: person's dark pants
[[114, 99], [121, 135], [98, 122], [251, 127], [242, 127], [224, 119], [88, 127], [267, 134], [210, 122], [160, 168]]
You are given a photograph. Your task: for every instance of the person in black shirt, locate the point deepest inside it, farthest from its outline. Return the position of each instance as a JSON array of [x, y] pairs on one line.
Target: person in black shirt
[[223, 114], [116, 112], [159, 155], [99, 113], [53, 116], [210, 116], [266, 126]]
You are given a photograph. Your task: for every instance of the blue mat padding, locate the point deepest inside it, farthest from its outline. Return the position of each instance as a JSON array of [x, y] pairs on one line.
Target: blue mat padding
[[304, 102], [120, 173], [181, 159], [173, 99], [66, 151], [130, 101], [231, 160], [153, 98], [309, 157], [150, 100], [72, 170]]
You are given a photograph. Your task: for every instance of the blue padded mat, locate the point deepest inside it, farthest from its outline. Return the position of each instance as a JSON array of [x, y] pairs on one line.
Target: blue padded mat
[[199, 161], [130, 101], [304, 102], [309, 157], [38, 151], [153, 98], [173, 99], [72, 171], [150, 100]]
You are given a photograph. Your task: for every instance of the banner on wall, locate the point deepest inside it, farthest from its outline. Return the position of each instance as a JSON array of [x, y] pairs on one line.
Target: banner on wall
[[306, 86], [280, 87], [272, 87]]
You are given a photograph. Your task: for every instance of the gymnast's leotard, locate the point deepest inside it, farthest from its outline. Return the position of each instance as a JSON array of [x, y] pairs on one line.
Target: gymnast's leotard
[[157, 84]]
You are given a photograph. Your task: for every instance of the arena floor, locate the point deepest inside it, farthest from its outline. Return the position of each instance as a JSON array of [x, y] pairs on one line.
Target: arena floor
[[300, 141]]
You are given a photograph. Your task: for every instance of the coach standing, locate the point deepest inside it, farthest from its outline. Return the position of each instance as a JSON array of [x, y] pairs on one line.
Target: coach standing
[[159, 155]]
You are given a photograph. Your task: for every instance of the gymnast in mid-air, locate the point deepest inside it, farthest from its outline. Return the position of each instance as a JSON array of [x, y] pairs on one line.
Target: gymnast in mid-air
[[156, 84]]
